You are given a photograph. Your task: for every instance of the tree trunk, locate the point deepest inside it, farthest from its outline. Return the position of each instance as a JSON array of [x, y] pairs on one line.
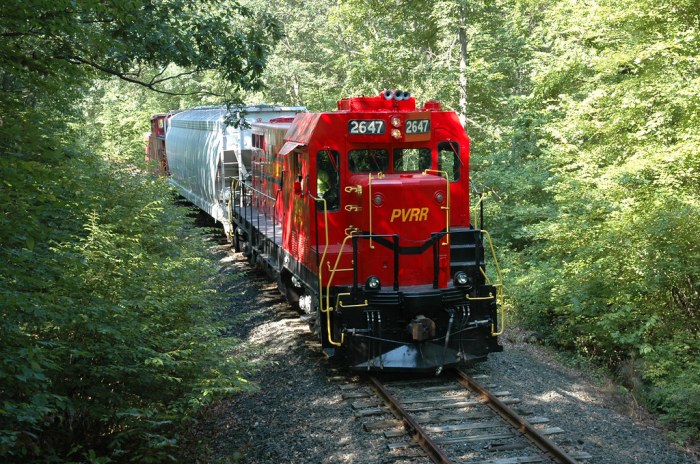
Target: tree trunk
[[463, 62]]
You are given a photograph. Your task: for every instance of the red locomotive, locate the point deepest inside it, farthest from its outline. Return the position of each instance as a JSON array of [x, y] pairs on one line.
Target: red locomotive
[[362, 215]]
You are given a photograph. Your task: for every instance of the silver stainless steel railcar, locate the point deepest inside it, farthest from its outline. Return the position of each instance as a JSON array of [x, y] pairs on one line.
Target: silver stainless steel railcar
[[204, 154]]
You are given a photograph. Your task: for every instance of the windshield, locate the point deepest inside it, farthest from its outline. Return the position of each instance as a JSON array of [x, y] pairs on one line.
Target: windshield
[[412, 159], [368, 160]]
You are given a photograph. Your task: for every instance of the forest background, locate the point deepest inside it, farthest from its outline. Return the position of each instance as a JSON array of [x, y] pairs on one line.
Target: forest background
[[585, 126]]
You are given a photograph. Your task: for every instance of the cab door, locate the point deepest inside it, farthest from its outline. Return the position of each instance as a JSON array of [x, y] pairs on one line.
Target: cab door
[[295, 204]]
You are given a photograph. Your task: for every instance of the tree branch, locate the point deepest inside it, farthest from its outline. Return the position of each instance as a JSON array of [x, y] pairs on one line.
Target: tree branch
[[155, 81], [75, 59]]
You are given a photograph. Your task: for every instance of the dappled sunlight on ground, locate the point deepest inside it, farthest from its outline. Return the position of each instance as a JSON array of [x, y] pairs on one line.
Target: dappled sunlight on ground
[[584, 408]]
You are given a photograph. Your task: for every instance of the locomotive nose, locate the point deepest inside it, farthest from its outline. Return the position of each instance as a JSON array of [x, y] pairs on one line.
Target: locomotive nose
[[406, 217], [409, 205]]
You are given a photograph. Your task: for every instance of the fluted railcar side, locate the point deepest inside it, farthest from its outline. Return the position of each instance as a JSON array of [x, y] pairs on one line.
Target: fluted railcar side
[[205, 154]]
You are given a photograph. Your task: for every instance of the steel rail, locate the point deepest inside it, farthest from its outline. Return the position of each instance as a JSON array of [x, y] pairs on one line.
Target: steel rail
[[434, 452], [547, 446]]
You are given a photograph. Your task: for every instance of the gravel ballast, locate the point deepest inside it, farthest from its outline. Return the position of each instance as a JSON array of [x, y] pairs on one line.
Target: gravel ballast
[[299, 416]]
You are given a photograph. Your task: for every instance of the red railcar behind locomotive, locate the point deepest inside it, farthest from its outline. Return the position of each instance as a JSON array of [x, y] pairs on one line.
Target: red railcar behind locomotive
[[155, 144], [362, 215]]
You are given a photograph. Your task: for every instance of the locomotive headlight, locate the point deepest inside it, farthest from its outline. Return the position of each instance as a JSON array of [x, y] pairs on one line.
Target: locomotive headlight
[[396, 133], [396, 121], [461, 278], [373, 283]]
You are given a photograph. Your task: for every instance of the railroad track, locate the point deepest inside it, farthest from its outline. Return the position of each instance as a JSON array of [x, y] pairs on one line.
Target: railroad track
[[453, 419]]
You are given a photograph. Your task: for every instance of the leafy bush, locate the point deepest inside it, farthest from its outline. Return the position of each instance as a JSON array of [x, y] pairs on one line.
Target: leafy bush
[[109, 334], [106, 310], [612, 269]]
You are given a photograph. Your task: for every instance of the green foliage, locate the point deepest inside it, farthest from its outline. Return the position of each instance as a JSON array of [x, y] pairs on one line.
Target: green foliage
[[61, 43], [109, 344], [611, 264], [109, 336]]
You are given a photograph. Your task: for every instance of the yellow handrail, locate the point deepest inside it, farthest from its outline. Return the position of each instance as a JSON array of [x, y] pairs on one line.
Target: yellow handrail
[[347, 269], [447, 208], [327, 310], [500, 294], [328, 307], [325, 247], [380, 175], [333, 271], [476, 208], [369, 199], [348, 235], [340, 303]]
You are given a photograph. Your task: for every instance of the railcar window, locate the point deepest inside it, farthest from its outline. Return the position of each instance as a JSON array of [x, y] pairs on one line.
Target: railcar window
[[412, 159], [448, 159], [328, 178], [259, 141], [368, 160], [296, 164]]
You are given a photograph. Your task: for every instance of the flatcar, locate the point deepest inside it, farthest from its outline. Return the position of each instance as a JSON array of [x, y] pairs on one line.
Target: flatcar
[[362, 216]]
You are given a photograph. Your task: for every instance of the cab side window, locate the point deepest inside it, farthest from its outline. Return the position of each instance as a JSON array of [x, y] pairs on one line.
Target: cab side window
[[328, 178], [448, 159]]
